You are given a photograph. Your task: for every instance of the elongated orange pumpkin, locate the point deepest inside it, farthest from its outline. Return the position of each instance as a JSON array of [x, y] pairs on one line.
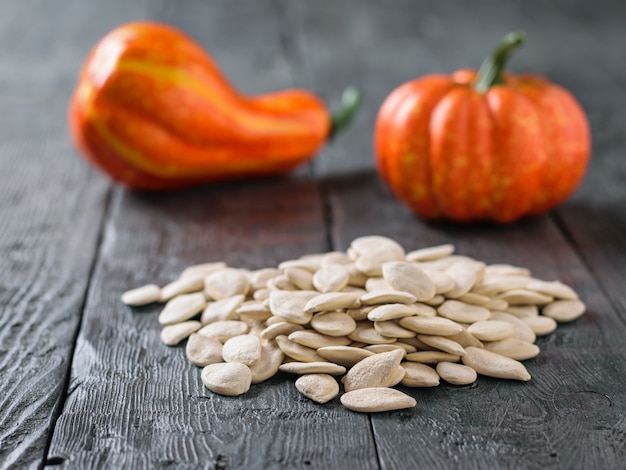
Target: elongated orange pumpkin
[[482, 146], [153, 111]]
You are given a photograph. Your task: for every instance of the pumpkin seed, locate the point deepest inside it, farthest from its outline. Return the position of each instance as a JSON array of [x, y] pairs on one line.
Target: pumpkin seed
[[564, 310], [220, 310], [491, 330], [392, 311], [226, 282], [243, 348], [456, 374], [462, 312], [312, 368], [431, 325], [320, 388], [223, 330], [174, 334], [281, 328], [430, 253], [373, 371], [267, 364], [419, 375], [184, 285], [202, 350], [301, 278], [313, 339], [333, 323], [142, 295], [181, 308], [344, 355], [297, 351], [227, 378], [331, 278], [409, 277], [202, 269], [514, 348], [331, 301], [373, 400], [494, 365]]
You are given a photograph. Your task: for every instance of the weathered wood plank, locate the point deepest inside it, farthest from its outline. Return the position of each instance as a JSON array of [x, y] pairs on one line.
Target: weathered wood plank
[[168, 418], [565, 417], [51, 206]]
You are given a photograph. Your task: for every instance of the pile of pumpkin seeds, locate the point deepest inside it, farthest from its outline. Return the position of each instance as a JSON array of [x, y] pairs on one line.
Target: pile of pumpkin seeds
[[375, 315]]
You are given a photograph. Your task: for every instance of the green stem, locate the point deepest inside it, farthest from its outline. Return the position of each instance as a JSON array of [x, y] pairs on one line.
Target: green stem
[[490, 72], [350, 102]]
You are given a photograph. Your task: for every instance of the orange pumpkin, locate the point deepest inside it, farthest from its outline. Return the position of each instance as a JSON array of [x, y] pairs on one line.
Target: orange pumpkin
[[152, 110], [482, 146]]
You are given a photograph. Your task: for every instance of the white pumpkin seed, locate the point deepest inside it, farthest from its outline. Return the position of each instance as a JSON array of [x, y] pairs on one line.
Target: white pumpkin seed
[[494, 365], [373, 371], [391, 329], [491, 330], [220, 310], [227, 378], [430, 253], [315, 340], [202, 350], [223, 330], [267, 364], [331, 278], [462, 312], [301, 368], [297, 351], [226, 282], [301, 278], [419, 375], [392, 311], [431, 325], [456, 374], [142, 295], [185, 285], [541, 325], [174, 334], [243, 348], [387, 296], [202, 269], [409, 277], [181, 308], [280, 328], [331, 301], [333, 323], [320, 388], [553, 289], [378, 399], [564, 310], [344, 355], [514, 348], [442, 343]]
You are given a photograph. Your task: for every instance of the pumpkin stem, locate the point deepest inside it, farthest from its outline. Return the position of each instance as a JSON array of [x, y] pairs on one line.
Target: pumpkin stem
[[350, 102], [490, 72]]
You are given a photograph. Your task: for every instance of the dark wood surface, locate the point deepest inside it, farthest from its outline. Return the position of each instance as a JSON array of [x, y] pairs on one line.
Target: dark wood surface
[[86, 382]]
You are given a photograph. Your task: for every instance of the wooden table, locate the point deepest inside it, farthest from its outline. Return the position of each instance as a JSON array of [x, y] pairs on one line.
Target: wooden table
[[86, 382]]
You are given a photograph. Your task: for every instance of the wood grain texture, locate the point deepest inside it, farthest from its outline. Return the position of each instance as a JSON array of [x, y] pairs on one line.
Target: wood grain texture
[[168, 418], [133, 402], [567, 416], [52, 207]]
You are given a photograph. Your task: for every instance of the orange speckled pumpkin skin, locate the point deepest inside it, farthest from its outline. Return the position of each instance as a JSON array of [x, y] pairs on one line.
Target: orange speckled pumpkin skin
[[152, 110], [451, 152]]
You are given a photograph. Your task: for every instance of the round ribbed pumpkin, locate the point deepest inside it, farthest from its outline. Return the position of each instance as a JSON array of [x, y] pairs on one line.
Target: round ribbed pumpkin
[[482, 145]]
